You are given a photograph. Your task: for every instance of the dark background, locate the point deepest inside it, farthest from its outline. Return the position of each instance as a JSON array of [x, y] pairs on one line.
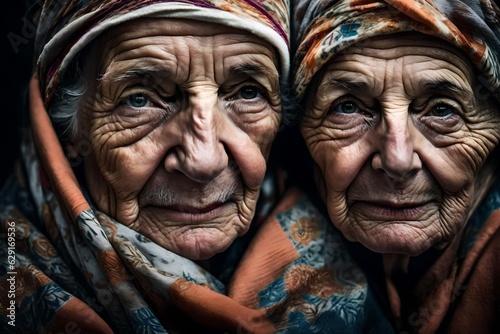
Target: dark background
[[17, 60]]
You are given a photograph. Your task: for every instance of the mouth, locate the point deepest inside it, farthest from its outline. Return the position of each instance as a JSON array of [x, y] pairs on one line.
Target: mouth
[[193, 209], [387, 210], [189, 213]]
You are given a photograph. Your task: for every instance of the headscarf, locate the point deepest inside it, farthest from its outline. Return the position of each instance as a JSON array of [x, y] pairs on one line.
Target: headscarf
[[323, 28], [78, 267], [66, 27]]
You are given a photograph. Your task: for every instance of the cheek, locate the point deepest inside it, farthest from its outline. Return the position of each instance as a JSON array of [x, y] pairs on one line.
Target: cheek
[[450, 167], [338, 165], [457, 165], [135, 164], [263, 134], [124, 161], [251, 149]]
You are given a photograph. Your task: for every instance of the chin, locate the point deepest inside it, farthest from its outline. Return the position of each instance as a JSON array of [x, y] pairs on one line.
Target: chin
[[202, 245], [395, 240], [397, 247]]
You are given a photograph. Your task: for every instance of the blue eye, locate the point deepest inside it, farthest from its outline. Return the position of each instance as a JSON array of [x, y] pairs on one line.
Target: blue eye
[[347, 107], [138, 100]]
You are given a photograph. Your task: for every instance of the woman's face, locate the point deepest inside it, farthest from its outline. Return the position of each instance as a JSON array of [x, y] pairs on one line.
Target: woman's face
[[181, 123], [399, 135]]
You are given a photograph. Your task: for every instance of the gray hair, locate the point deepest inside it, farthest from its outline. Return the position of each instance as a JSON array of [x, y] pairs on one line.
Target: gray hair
[[68, 97]]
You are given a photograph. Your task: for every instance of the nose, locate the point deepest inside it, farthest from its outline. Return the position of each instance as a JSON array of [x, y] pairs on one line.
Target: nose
[[396, 156], [200, 155]]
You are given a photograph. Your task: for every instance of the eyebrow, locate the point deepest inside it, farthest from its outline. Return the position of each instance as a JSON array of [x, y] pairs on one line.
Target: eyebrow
[[445, 86], [441, 86], [349, 84], [252, 69]]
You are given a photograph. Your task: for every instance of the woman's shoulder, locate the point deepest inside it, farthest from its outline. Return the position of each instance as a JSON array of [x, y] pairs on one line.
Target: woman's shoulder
[[309, 281]]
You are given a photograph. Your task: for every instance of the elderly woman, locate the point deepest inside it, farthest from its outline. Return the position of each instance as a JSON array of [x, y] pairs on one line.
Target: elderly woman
[[401, 116], [151, 124]]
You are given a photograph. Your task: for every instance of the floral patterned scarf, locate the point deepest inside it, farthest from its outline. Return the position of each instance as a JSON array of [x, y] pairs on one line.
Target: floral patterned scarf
[[323, 28]]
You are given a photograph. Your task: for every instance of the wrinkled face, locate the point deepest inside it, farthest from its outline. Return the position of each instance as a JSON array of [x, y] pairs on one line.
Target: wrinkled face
[[399, 137], [181, 124]]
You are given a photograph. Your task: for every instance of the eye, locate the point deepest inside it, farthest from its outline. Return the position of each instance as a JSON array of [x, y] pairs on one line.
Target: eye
[[346, 107], [249, 93], [442, 110], [442, 115], [138, 100]]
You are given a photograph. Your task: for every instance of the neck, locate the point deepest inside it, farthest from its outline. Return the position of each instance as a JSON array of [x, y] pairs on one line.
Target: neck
[[395, 263]]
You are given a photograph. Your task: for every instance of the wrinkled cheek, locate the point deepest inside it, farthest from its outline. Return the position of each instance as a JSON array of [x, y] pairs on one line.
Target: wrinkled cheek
[[461, 165], [266, 139], [247, 207], [265, 146], [455, 208], [126, 170], [337, 172], [321, 174], [252, 168], [334, 196], [98, 186], [113, 184], [336, 204]]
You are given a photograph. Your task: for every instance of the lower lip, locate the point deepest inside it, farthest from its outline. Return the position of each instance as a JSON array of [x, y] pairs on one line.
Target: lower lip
[[384, 212], [189, 217]]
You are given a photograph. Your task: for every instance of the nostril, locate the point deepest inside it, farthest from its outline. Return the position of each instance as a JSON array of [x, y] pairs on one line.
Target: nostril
[[202, 165], [396, 167], [172, 159], [205, 169]]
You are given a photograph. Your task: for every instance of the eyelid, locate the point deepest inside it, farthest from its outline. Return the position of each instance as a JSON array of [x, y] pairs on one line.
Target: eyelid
[[155, 97], [124, 97], [233, 90], [443, 101], [345, 98]]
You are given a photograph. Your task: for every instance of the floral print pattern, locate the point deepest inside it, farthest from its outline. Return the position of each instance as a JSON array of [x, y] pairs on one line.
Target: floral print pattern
[[324, 28]]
